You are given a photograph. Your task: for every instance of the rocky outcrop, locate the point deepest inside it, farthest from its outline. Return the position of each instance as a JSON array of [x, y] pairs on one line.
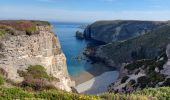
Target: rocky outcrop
[[43, 48], [147, 46], [79, 35], [143, 74], [119, 30], [166, 67]]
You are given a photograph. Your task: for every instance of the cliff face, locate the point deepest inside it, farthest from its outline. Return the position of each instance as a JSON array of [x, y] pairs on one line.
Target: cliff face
[[20, 50], [110, 31], [141, 57], [147, 46]]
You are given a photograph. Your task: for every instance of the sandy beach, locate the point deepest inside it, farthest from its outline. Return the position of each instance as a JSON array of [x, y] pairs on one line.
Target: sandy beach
[[98, 84], [96, 79]]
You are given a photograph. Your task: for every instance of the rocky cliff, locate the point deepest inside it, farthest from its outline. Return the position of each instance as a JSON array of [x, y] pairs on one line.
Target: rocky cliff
[[143, 74], [147, 46], [140, 57], [25, 43], [119, 30]]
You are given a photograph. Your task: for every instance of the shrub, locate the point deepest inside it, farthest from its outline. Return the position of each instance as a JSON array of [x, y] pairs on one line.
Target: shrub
[[143, 80], [124, 79], [37, 71], [30, 30], [167, 82], [5, 29], [156, 77], [2, 32], [1, 79], [36, 78], [132, 82], [139, 63]]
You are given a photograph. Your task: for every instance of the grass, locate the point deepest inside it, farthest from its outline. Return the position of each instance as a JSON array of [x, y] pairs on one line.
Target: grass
[[5, 29], [19, 93], [146, 94], [2, 32], [10, 26]]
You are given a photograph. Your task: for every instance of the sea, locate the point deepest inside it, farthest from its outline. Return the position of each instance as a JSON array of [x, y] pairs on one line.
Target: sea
[[72, 46]]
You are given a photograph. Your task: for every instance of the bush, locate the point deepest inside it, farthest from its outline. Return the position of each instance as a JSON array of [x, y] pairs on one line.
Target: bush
[[167, 82], [36, 78], [138, 64], [156, 77], [37, 71], [30, 30], [132, 82], [143, 80], [124, 79], [5, 29], [2, 32], [1, 79]]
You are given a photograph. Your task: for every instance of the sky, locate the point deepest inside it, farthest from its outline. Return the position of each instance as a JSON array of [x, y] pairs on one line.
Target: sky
[[85, 10]]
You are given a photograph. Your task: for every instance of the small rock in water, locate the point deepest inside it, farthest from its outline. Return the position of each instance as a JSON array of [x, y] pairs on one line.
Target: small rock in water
[[79, 35]]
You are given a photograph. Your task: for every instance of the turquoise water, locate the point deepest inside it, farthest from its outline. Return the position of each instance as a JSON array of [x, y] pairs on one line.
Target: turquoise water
[[72, 46]]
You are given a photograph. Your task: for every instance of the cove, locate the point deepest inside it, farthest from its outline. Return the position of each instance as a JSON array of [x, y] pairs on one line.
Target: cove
[[73, 47]]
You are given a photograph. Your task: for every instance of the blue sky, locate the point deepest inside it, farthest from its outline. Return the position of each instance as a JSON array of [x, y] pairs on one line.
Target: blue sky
[[85, 10]]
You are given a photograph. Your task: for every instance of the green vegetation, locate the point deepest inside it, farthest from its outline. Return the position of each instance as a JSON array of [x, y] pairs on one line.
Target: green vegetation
[[5, 29], [41, 23], [138, 64], [18, 93], [124, 79], [146, 94], [30, 30], [36, 71], [1, 79], [132, 82], [11, 26], [167, 82], [36, 78], [2, 32], [147, 46], [151, 67]]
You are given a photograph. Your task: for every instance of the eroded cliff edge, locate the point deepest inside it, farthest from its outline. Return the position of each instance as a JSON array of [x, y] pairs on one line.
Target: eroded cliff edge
[[25, 43]]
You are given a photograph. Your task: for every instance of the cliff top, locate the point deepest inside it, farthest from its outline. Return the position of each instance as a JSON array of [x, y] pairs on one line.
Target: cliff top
[[26, 26], [118, 21]]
